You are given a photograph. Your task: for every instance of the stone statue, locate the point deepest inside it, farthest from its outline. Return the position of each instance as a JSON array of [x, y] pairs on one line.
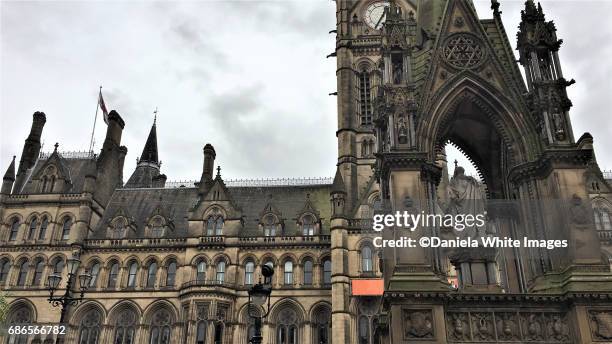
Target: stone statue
[[465, 197], [402, 136]]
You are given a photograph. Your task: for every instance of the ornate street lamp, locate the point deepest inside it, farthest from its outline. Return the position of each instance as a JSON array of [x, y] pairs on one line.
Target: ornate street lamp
[[68, 299], [258, 296]]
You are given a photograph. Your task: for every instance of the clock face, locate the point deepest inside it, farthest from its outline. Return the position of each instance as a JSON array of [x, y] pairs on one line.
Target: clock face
[[376, 13]]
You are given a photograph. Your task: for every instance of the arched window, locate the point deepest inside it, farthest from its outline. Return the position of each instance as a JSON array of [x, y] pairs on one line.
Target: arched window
[[125, 326], [288, 272], [366, 259], [327, 272], [201, 325], [132, 274], [201, 271], [171, 274], [14, 229], [219, 226], [89, 329], [5, 267], [21, 316], [119, 229], [66, 228], [113, 274], [249, 270], [365, 100], [151, 275], [308, 272], [603, 220], [95, 272], [23, 273], [286, 328], [210, 226], [322, 326], [269, 225], [157, 228], [43, 228], [39, 268], [364, 330], [58, 266], [308, 225], [160, 328], [221, 271], [33, 225], [218, 333]]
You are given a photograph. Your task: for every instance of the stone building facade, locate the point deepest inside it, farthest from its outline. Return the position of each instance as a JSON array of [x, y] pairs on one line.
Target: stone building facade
[[173, 263]]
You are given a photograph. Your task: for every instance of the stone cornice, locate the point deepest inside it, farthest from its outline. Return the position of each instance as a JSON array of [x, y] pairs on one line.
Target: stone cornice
[[550, 159]]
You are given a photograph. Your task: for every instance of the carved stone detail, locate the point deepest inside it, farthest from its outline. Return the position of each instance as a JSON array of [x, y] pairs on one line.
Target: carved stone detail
[[464, 51], [418, 324], [504, 326], [601, 324]]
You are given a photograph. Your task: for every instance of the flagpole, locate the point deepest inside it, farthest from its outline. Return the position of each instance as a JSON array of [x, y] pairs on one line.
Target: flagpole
[[95, 119]]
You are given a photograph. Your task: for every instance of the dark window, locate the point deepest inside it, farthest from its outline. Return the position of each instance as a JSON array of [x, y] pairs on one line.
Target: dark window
[[151, 275], [113, 274], [157, 228], [125, 326], [58, 266], [90, 328], [219, 226], [39, 267], [171, 274], [14, 230], [308, 272], [249, 269], [160, 328], [210, 226], [366, 259], [327, 272], [219, 333], [365, 99], [221, 272], [308, 226], [201, 332], [201, 272], [5, 267], [95, 272], [287, 327], [43, 228], [364, 330], [603, 220], [32, 232], [132, 273], [66, 228], [23, 273], [269, 226], [288, 272]]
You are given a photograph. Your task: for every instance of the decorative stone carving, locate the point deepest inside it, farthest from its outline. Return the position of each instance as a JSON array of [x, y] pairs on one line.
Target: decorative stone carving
[[601, 324], [533, 328], [464, 51], [418, 324], [507, 326], [482, 326], [457, 326]]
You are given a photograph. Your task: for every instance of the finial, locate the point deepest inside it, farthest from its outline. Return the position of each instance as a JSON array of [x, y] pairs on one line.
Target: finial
[[155, 116], [218, 171], [56, 145], [495, 7], [456, 163]]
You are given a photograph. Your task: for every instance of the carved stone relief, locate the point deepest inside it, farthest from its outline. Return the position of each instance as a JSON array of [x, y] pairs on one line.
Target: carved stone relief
[[418, 324], [601, 324], [494, 327]]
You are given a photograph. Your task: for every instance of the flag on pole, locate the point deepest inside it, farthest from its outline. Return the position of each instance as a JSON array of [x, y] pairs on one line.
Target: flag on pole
[[103, 107]]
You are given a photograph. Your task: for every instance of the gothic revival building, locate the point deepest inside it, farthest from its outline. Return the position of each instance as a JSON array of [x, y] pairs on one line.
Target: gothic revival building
[[173, 263]]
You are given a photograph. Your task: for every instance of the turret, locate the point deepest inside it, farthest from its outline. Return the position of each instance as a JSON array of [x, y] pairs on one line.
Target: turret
[[31, 149], [146, 174], [9, 178], [538, 48], [338, 195], [110, 163]]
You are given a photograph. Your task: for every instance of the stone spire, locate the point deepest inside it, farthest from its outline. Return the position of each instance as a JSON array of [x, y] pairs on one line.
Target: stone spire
[[9, 178], [149, 153], [338, 184], [338, 196], [146, 174]]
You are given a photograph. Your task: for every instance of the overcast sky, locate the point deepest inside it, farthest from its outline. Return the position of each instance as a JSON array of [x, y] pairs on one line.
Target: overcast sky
[[250, 77]]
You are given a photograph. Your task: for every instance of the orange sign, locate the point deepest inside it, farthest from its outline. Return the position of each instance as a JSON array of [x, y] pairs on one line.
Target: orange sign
[[367, 287]]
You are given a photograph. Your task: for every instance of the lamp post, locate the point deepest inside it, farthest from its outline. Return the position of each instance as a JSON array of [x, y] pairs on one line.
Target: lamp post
[[68, 299], [258, 295]]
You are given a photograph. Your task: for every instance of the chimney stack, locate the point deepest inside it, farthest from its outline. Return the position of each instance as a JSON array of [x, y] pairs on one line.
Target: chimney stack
[[31, 148], [209, 162]]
